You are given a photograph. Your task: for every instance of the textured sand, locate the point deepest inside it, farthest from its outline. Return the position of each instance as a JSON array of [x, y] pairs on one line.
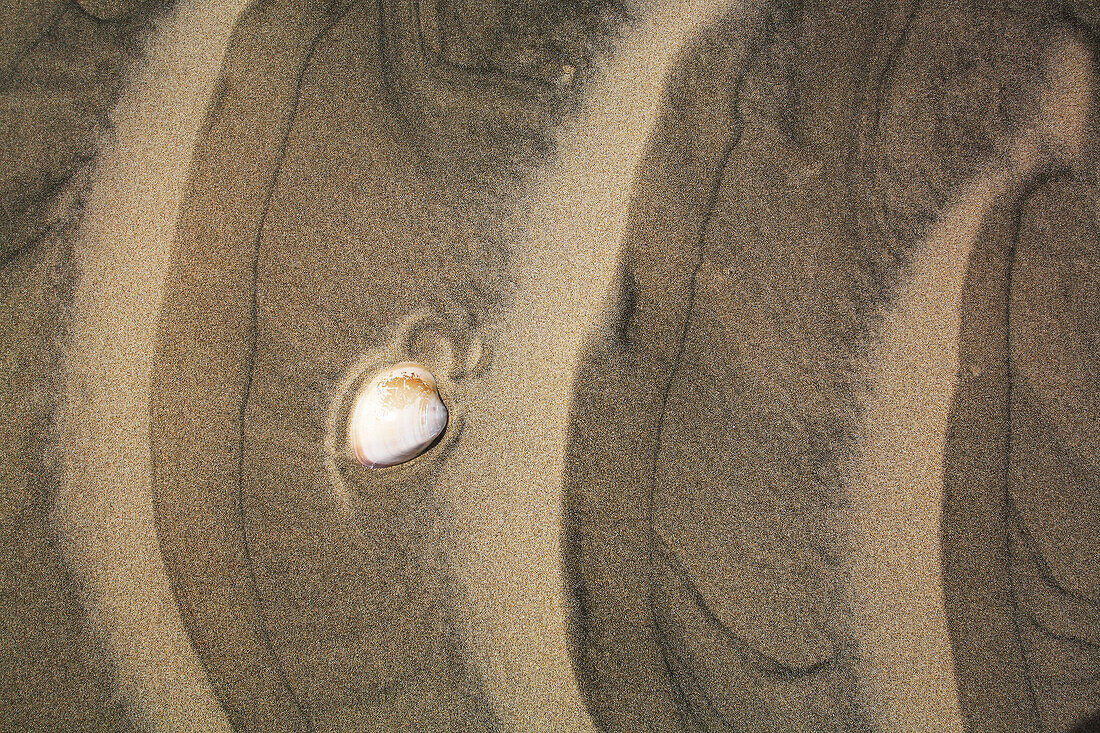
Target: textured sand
[[250, 249], [104, 510], [505, 488], [908, 671]]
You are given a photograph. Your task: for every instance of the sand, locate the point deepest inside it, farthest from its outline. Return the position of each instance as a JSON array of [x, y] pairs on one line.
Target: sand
[[721, 311], [104, 510], [505, 487], [61, 73]]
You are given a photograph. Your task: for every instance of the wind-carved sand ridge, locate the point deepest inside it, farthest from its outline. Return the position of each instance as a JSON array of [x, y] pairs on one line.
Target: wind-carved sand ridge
[[507, 524], [104, 513], [896, 589]]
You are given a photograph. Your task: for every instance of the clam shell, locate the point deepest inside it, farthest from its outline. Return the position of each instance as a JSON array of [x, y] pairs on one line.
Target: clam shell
[[396, 417]]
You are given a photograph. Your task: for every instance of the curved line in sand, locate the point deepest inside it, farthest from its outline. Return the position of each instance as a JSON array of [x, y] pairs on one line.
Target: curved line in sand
[[895, 568]]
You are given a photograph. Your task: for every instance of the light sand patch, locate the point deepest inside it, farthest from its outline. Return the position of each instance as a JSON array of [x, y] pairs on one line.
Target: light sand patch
[[507, 520], [104, 512]]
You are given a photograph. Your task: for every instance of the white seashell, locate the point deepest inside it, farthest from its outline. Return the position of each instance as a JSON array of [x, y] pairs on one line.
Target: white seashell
[[396, 416]]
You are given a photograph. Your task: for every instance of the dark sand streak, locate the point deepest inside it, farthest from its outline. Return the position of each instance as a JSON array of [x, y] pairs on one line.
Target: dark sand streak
[[250, 358], [765, 37]]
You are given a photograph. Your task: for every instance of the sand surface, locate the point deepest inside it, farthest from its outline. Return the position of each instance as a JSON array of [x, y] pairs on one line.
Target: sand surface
[[104, 510], [505, 488], [698, 305]]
